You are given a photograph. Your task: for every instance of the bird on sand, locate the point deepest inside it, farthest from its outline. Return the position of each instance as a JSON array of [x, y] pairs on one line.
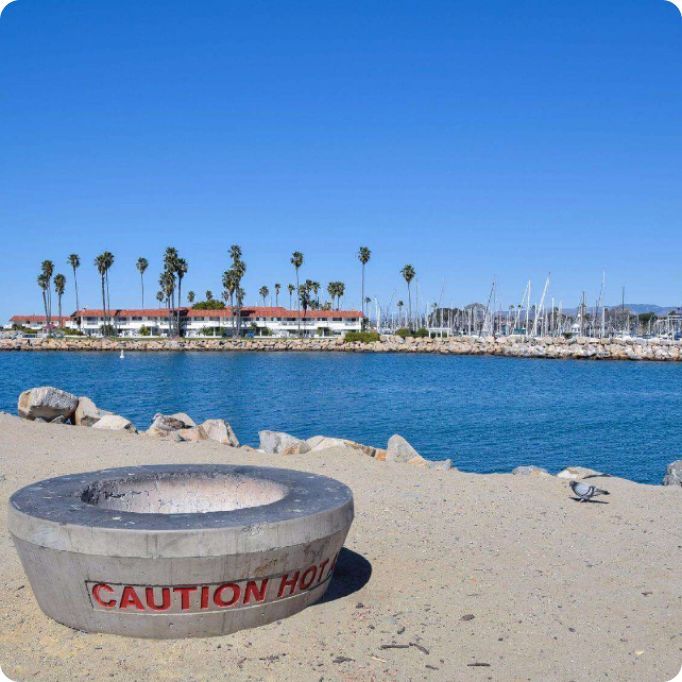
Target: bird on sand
[[585, 492]]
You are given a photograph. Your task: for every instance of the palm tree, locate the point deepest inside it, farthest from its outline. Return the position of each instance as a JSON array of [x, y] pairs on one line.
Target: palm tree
[[400, 305], [167, 284], [44, 285], [142, 265], [190, 297], [297, 261], [340, 291], [75, 262], [101, 265], [290, 288], [59, 287], [108, 261], [263, 293], [159, 297], [331, 290], [408, 274], [47, 269], [180, 270], [278, 286], [233, 277], [304, 300], [209, 295], [364, 254], [315, 288]]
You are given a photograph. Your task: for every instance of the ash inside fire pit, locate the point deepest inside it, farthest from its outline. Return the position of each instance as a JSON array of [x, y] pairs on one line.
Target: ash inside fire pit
[[183, 493]]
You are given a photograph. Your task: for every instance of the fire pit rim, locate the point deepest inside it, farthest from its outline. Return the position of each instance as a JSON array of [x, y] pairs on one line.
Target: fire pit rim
[[60, 519]]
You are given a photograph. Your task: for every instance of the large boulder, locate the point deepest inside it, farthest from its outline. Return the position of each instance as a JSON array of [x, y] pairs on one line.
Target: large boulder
[[318, 443], [530, 470], [221, 432], [280, 443], [87, 413], [576, 473], [114, 422], [192, 435], [171, 422], [46, 402], [673, 473], [184, 418], [399, 450]]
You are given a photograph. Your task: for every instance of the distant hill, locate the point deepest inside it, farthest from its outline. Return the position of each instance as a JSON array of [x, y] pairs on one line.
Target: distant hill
[[636, 308]]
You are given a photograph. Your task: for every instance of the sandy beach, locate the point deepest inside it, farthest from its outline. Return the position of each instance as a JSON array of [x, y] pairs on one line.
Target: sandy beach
[[445, 576]]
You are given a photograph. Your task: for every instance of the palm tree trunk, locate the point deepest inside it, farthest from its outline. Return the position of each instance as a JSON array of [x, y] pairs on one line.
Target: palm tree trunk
[[298, 303], [75, 281], [45, 305], [177, 310], [409, 307], [59, 308], [142, 286], [104, 309]]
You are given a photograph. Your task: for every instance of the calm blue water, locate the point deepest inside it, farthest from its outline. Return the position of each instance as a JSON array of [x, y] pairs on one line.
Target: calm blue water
[[487, 414]]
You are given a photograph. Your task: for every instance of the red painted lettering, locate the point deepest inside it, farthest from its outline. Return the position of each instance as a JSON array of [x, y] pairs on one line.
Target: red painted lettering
[[129, 598], [288, 582], [185, 592], [218, 595], [110, 603], [204, 597], [165, 599], [308, 577], [322, 565], [252, 590]]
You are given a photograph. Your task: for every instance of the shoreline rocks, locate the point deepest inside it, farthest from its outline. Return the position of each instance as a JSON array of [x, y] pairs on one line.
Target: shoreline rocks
[[558, 348], [48, 403]]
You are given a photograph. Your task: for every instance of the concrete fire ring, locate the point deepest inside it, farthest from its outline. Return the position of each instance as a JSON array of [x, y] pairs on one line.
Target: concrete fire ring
[[179, 550]]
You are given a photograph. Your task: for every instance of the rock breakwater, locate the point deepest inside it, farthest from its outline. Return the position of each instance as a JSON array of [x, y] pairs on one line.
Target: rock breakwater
[[547, 348]]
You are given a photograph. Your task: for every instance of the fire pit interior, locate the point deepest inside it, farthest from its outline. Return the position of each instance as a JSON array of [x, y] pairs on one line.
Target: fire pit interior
[[183, 493]]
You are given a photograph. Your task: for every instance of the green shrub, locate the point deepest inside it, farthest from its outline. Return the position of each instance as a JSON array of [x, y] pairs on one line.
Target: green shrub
[[71, 332], [362, 337], [421, 333], [208, 305], [145, 331]]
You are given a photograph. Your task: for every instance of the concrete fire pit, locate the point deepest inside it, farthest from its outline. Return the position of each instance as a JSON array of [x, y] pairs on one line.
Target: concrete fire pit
[[179, 550]]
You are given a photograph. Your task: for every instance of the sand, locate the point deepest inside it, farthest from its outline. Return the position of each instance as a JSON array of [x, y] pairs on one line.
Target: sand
[[448, 576]]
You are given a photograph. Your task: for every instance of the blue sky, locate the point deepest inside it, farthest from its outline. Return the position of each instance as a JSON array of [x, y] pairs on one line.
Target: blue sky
[[471, 139]]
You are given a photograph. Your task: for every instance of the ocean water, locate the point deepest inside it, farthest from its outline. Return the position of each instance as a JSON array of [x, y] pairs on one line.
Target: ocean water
[[486, 414]]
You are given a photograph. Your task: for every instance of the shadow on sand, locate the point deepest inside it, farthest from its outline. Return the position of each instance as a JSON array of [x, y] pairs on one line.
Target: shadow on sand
[[352, 573]]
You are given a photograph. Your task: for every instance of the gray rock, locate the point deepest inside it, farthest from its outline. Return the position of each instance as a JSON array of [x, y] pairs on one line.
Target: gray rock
[[399, 450], [192, 435], [576, 473], [87, 413], [318, 443], [280, 443], [673, 473], [184, 418], [441, 465], [114, 422], [221, 432], [171, 422], [46, 402], [61, 419], [530, 470]]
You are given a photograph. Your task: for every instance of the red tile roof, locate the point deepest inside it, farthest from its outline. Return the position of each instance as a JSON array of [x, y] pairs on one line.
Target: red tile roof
[[37, 318], [128, 312]]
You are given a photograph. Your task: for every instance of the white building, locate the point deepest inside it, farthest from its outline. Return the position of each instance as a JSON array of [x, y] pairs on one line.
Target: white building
[[256, 320], [275, 321]]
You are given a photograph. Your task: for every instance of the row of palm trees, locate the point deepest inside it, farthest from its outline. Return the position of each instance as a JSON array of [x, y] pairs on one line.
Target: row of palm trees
[[174, 270]]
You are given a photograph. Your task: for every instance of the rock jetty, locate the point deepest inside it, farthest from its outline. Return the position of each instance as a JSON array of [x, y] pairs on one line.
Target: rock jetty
[[506, 346]]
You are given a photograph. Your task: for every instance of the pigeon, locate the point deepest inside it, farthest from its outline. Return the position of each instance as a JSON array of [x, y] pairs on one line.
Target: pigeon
[[586, 492]]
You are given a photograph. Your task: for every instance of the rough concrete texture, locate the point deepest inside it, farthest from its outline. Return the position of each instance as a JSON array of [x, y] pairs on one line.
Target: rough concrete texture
[[179, 550], [466, 570]]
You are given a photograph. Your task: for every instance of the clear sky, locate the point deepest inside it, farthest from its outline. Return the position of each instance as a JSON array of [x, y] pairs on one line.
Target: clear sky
[[473, 139]]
